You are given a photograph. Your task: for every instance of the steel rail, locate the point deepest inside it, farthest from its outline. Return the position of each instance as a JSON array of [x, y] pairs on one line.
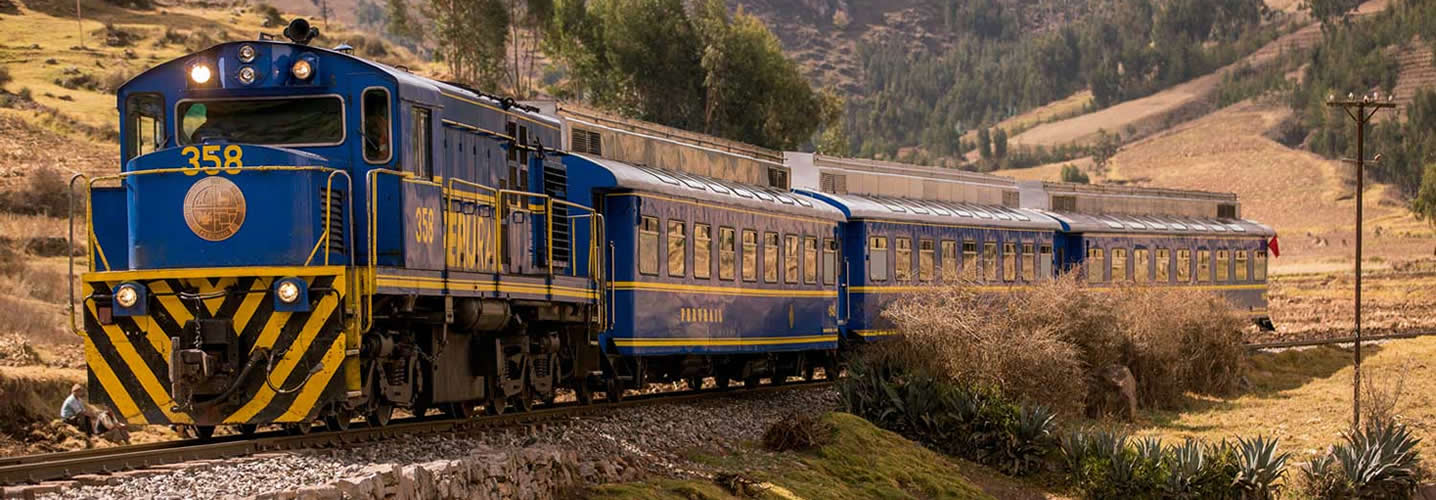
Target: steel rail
[[53, 466]]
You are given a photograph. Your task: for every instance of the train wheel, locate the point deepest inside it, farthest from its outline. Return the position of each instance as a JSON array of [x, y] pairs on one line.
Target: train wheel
[[462, 410], [204, 432], [495, 405], [340, 420], [809, 371], [300, 428], [380, 415], [583, 392], [830, 367], [615, 390], [248, 430], [524, 401], [751, 382], [722, 381], [419, 410], [695, 383], [552, 395]]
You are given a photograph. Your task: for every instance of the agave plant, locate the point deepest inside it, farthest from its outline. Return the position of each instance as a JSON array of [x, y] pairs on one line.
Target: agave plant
[[1076, 447], [1378, 462], [1026, 441], [1259, 467], [1186, 470]]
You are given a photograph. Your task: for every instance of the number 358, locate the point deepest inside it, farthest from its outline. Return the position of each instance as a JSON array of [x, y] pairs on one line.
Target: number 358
[[211, 160]]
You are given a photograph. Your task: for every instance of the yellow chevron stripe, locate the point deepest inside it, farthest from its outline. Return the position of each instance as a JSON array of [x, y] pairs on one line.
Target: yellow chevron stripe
[[212, 305], [250, 304], [142, 372], [304, 402], [291, 358], [271, 330], [171, 303], [111, 383]]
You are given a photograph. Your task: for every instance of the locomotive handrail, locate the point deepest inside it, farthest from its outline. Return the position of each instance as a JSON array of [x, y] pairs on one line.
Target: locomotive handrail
[[89, 259], [371, 278], [328, 215]]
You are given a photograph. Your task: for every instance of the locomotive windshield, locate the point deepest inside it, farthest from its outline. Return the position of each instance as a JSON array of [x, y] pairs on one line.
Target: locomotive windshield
[[286, 121]]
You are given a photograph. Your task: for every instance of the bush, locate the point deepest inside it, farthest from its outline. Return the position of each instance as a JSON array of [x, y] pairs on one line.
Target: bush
[[1380, 461], [973, 423], [1070, 173], [798, 432], [5, 75], [115, 78], [1051, 341], [272, 17], [45, 192]]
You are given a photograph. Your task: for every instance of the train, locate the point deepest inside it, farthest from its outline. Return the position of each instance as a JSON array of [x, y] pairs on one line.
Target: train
[[299, 235]]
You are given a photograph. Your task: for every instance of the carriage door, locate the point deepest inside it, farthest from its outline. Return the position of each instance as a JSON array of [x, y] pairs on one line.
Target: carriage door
[[519, 227], [423, 211]]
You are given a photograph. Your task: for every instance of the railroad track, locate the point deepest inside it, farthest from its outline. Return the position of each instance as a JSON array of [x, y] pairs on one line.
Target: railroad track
[[52, 466], [1336, 340]]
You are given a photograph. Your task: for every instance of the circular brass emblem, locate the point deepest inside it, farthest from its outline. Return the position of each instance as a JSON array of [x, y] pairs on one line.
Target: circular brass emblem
[[214, 208]]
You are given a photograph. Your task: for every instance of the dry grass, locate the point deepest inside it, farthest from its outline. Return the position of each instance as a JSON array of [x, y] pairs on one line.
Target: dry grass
[[1303, 397], [1047, 343]]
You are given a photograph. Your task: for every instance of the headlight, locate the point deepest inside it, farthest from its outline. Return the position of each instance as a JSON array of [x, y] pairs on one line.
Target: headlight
[[288, 292], [199, 73], [127, 296], [302, 70], [246, 53], [246, 75]]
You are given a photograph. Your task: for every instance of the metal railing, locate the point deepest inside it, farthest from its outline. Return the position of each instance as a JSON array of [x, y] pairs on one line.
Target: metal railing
[[94, 248]]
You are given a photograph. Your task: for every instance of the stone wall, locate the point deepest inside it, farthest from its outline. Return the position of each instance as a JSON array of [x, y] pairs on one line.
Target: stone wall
[[536, 473]]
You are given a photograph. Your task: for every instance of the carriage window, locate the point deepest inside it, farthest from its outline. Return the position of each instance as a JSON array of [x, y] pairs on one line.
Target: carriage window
[[1204, 265], [949, 260], [1241, 273], [969, 260], [750, 255], [878, 258], [830, 261], [1184, 266], [1009, 262], [677, 249], [1119, 264], [648, 246], [376, 125], [1224, 267], [1164, 264], [1044, 259], [770, 257], [1142, 265], [1029, 264], [790, 258], [903, 257], [925, 260], [702, 251], [989, 260], [1096, 265], [810, 260], [144, 124], [275, 122], [726, 251], [1259, 266]]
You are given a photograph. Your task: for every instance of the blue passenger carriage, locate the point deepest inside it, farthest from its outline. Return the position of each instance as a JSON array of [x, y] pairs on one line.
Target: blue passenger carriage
[[297, 233], [898, 246], [713, 277]]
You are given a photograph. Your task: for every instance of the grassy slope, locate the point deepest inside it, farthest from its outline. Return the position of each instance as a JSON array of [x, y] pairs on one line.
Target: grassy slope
[[1303, 397], [863, 462]]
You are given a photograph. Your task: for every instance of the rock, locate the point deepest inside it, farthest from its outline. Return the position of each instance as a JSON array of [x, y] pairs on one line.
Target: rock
[[322, 492]]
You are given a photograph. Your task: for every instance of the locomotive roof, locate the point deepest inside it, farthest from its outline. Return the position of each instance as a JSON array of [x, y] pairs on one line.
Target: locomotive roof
[[1158, 224], [410, 86], [939, 212], [687, 185]]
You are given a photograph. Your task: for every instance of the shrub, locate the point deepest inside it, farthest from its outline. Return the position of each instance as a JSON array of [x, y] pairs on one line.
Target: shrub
[[1380, 461], [1051, 341], [115, 78], [797, 432], [5, 75], [45, 192], [1070, 173], [272, 16]]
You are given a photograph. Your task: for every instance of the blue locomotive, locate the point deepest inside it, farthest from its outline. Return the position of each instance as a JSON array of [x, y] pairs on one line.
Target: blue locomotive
[[300, 235]]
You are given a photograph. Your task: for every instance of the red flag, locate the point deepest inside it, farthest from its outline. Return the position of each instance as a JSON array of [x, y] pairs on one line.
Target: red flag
[[1271, 245]]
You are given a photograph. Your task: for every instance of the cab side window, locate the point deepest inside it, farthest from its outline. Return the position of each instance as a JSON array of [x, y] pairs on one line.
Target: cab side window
[[377, 147], [145, 122], [421, 160]]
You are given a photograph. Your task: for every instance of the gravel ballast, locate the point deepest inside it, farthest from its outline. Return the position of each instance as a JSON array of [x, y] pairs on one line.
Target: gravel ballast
[[619, 444]]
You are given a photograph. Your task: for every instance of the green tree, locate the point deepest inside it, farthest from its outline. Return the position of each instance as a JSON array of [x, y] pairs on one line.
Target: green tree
[[400, 25], [1104, 148], [999, 143], [984, 143], [684, 64], [1329, 11], [1070, 173], [470, 37]]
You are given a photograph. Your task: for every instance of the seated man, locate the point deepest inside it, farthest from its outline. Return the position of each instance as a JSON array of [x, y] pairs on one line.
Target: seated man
[[75, 412]]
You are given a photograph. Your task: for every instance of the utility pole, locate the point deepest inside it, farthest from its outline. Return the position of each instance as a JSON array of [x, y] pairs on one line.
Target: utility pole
[[80, 19], [1360, 110]]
